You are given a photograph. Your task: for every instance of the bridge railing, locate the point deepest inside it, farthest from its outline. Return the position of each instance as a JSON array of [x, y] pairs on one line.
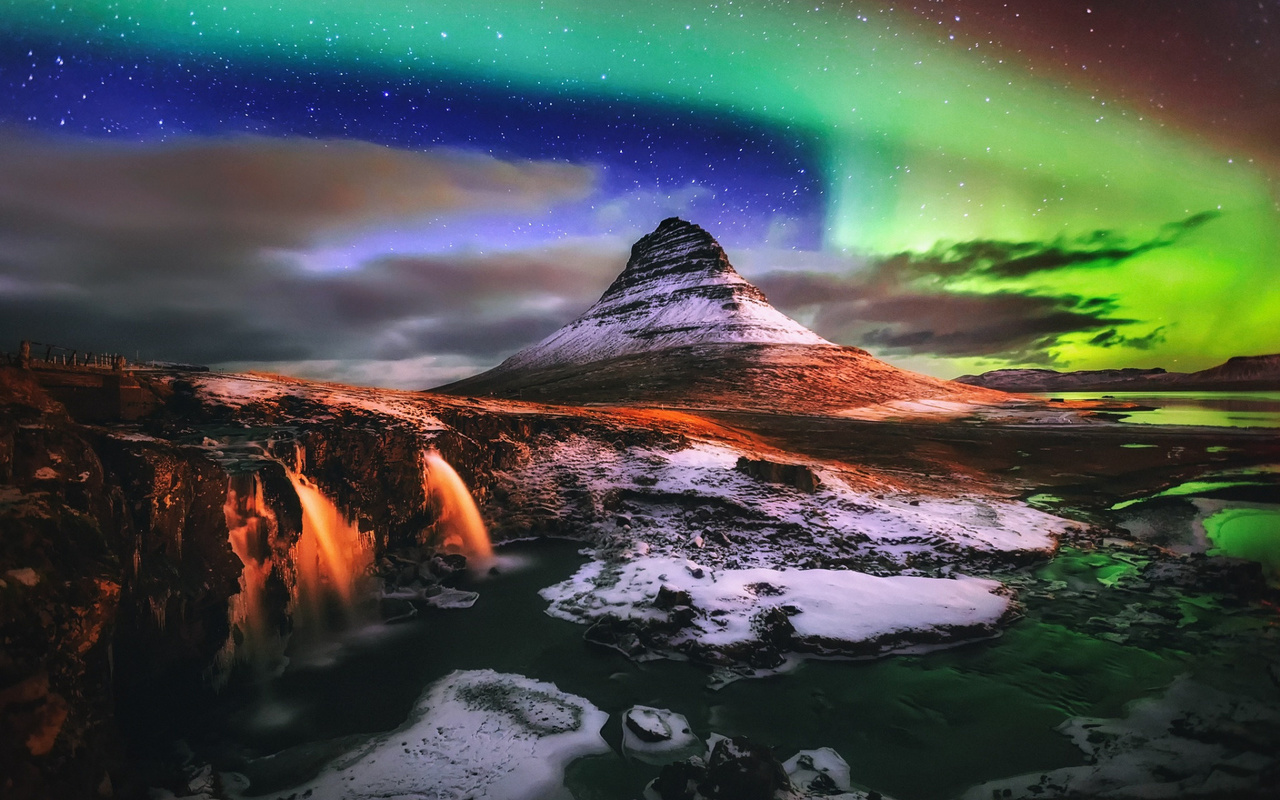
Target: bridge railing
[[43, 355]]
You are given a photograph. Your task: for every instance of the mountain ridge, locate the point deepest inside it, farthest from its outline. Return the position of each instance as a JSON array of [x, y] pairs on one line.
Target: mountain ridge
[[677, 289], [1241, 373], [680, 327]]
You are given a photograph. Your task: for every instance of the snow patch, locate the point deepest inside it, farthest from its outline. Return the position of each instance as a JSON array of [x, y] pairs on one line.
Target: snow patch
[[825, 607], [477, 734], [770, 524], [241, 390], [820, 771], [658, 736]]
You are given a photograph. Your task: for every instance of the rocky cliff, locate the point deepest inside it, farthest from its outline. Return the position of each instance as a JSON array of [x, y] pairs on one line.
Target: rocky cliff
[[114, 576]]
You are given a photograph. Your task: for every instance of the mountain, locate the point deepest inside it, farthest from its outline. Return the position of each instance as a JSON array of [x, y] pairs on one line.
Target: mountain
[[1047, 380], [680, 326], [1262, 371], [1241, 373]]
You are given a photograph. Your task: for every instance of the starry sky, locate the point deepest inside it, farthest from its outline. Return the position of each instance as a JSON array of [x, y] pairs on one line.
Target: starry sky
[[404, 193]]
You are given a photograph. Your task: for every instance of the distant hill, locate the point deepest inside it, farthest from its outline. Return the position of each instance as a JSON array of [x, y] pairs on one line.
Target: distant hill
[[1242, 373], [680, 326]]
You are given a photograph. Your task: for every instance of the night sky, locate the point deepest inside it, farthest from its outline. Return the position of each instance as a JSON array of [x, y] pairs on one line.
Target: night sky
[[403, 193]]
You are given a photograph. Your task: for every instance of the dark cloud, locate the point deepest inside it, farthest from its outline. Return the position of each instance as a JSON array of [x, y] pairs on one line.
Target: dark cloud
[[190, 251], [485, 339], [992, 258], [252, 191], [201, 335], [484, 307], [1002, 324], [1113, 338], [390, 288], [910, 302], [1101, 249]]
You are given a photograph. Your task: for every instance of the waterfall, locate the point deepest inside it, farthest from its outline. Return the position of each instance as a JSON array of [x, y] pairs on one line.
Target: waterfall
[[329, 558], [252, 528], [461, 528], [322, 571]]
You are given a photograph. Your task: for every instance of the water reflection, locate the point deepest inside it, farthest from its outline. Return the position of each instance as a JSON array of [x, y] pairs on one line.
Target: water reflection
[[1215, 409]]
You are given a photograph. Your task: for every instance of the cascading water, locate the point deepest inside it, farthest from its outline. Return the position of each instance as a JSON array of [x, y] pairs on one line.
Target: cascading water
[[321, 571], [460, 525], [252, 529], [329, 558]]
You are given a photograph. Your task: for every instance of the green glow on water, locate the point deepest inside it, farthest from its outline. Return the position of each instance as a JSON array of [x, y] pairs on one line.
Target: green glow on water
[[1080, 569], [1044, 500], [1252, 533], [1189, 489], [975, 713], [1207, 409]]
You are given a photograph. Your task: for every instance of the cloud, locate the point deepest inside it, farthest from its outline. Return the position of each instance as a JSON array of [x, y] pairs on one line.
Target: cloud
[[950, 262], [254, 191], [479, 306], [1019, 327], [194, 251], [927, 303], [1102, 248], [1113, 338], [198, 251], [405, 373]]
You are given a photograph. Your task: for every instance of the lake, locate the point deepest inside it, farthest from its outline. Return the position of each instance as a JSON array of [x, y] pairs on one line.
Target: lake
[[1214, 409], [973, 713]]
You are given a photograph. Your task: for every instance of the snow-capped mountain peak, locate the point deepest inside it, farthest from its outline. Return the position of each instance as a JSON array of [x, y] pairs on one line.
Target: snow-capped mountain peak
[[680, 327], [678, 289]]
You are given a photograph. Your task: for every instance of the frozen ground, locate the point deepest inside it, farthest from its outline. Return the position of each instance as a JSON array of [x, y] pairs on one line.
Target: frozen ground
[[690, 607], [477, 734], [698, 557], [697, 502], [237, 391], [883, 568], [657, 736]]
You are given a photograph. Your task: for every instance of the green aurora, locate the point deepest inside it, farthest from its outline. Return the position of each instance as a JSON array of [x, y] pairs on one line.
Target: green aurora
[[927, 140]]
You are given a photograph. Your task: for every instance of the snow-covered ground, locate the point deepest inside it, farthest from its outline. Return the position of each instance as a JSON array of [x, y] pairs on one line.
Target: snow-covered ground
[[657, 736], [791, 554], [695, 502], [477, 734], [827, 610], [239, 390], [696, 556]]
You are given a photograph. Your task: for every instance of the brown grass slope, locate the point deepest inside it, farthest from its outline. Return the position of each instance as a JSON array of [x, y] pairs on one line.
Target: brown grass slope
[[803, 379]]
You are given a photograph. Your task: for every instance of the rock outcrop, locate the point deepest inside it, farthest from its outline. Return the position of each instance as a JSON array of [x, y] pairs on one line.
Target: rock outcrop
[[114, 577]]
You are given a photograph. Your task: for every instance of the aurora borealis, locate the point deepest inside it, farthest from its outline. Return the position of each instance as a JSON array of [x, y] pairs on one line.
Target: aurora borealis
[[404, 193]]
